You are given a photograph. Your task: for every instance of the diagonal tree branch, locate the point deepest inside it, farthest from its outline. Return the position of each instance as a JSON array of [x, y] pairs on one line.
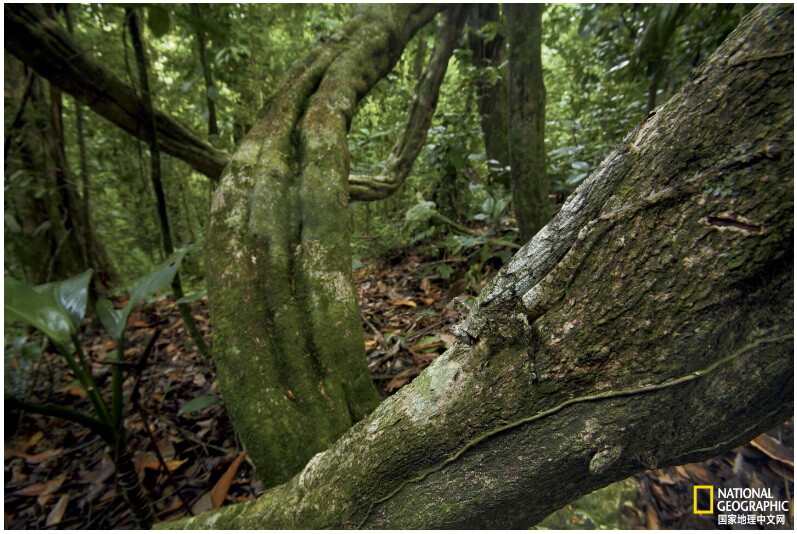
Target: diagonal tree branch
[[54, 54]]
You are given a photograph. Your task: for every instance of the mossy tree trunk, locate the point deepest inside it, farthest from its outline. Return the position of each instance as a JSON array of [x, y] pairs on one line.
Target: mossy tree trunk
[[527, 118], [649, 324], [287, 336]]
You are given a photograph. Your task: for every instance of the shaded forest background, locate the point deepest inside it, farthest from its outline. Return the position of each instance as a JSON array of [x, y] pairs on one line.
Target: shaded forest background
[[599, 64], [446, 231]]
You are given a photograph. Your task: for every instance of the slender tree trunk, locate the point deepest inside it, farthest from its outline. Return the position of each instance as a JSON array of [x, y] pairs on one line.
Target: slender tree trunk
[[213, 127], [492, 95], [287, 334], [649, 324], [419, 117], [527, 118], [157, 185], [65, 258], [95, 251]]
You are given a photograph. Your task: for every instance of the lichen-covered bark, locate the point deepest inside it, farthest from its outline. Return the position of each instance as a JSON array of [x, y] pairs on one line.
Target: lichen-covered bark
[[660, 332], [287, 335], [527, 118]]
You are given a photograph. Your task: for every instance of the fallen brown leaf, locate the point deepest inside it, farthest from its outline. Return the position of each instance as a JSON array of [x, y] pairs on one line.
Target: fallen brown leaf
[[35, 438], [42, 488], [222, 487], [652, 520], [149, 460], [57, 513], [203, 504], [41, 457], [448, 339], [772, 448]]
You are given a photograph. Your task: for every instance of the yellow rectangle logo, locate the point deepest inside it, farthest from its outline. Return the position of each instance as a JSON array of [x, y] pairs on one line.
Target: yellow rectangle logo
[[695, 508]]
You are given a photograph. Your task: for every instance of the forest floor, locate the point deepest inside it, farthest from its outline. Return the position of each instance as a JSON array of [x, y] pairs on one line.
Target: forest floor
[[58, 475]]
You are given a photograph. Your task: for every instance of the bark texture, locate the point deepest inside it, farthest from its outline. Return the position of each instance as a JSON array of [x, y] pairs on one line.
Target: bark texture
[[527, 118], [649, 324], [287, 336], [213, 126]]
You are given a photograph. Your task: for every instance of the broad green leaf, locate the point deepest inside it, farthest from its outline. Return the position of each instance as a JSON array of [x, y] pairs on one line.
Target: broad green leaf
[[580, 166], [192, 298], [72, 293], [199, 403], [40, 310], [155, 281], [12, 223], [111, 318], [158, 21], [115, 320], [575, 178]]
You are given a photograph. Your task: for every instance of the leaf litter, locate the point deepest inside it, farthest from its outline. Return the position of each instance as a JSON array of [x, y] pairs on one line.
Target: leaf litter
[[58, 475]]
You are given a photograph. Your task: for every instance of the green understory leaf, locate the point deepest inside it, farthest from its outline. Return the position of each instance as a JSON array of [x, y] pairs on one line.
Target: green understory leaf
[[42, 311], [199, 403]]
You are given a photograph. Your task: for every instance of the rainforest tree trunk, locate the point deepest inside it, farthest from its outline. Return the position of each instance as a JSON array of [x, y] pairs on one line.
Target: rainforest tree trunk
[[527, 118], [649, 324], [288, 341], [210, 89], [489, 54]]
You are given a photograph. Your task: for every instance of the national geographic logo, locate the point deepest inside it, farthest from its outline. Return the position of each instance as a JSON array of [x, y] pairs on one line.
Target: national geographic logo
[[699, 505], [740, 506]]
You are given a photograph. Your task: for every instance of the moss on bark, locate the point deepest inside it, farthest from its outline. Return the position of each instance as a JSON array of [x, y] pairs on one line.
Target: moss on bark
[[288, 342]]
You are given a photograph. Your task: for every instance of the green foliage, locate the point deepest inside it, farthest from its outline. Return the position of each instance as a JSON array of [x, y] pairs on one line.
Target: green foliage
[[41, 308], [599, 64], [197, 404], [115, 320]]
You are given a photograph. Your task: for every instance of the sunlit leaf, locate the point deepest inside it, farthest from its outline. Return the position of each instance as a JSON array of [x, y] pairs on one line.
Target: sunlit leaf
[[192, 298], [110, 317], [72, 293]]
